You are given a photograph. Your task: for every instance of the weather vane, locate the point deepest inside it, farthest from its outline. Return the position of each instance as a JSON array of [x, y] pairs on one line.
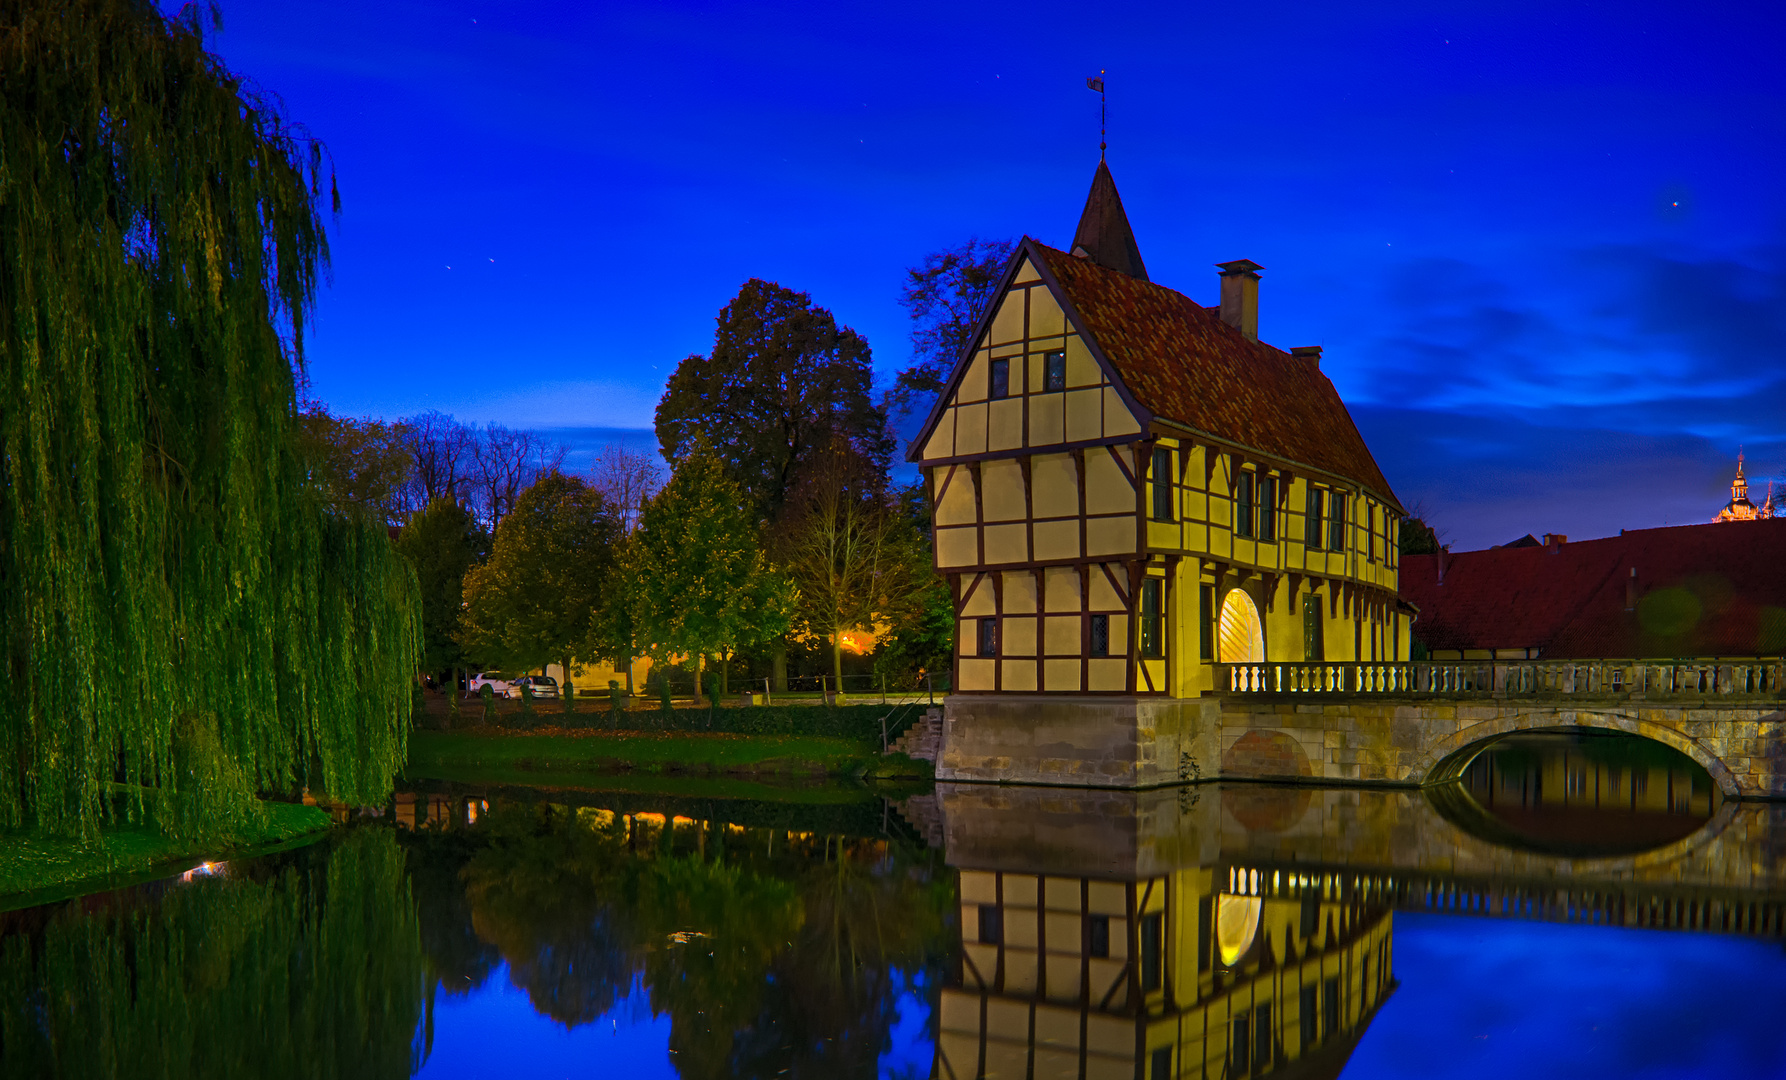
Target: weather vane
[[1096, 82]]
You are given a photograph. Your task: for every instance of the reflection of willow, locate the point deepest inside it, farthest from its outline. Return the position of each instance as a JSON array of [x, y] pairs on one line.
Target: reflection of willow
[[313, 971], [773, 953]]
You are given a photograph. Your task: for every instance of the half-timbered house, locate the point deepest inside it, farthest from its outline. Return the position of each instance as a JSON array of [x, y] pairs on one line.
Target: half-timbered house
[[1131, 491]]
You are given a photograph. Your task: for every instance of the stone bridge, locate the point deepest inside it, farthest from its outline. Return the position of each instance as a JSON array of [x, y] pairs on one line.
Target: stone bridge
[[1415, 723]]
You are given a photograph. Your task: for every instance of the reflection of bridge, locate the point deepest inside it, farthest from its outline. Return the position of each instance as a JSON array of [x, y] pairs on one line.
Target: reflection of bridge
[[1230, 929]]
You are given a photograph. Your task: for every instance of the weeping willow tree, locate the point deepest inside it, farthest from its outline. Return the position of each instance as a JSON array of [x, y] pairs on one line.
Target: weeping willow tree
[[182, 623]]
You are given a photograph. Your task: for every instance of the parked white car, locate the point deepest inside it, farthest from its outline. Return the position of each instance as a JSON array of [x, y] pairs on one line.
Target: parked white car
[[543, 686], [495, 680]]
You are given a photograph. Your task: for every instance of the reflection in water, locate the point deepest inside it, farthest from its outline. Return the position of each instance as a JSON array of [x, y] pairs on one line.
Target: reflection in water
[[306, 964], [1153, 960], [1581, 794], [770, 951], [1213, 931]]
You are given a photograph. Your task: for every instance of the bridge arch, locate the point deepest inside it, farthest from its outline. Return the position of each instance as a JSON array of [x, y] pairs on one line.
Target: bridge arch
[[1446, 758]]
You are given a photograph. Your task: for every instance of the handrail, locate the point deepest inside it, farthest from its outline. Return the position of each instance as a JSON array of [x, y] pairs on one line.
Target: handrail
[[1703, 677]]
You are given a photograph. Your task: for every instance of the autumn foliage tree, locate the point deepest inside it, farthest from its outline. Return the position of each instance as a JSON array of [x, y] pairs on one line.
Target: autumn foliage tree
[[537, 596], [701, 584]]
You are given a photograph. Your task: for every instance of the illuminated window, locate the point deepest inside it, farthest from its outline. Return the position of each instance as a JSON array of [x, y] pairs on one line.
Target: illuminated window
[[1001, 378], [1241, 636], [1054, 370], [1153, 636], [1312, 529], [1162, 484], [1100, 635]]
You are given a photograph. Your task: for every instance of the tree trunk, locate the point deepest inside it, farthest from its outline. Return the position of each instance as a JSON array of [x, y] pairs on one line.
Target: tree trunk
[[700, 660], [565, 691], [629, 676], [778, 666], [725, 666], [837, 658]]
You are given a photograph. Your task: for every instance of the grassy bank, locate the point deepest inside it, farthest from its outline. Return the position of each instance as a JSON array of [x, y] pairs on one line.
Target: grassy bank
[[680, 752], [36, 869]]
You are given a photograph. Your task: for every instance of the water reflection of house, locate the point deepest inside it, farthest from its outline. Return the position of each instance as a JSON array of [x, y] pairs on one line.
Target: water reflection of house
[[1092, 950]]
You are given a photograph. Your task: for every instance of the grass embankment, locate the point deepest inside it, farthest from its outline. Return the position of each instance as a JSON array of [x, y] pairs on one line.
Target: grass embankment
[[500, 755], [37, 869]]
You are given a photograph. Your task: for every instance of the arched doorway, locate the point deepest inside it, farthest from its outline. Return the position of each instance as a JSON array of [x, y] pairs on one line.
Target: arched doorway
[[1240, 636]]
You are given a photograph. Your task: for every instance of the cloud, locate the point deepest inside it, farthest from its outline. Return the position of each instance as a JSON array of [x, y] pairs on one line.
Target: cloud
[[1600, 389]]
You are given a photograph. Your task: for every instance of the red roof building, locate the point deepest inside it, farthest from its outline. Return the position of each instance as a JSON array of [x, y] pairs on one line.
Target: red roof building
[[1686, 591]]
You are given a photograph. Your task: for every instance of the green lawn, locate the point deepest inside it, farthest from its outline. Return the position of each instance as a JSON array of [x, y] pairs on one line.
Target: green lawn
[[657, 752], [36, 869]]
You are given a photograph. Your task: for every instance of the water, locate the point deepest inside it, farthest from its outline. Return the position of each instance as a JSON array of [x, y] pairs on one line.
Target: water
[[1548, 915]]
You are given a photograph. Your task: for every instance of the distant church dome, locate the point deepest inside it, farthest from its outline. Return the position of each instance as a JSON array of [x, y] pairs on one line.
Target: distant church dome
[[1739, 508]]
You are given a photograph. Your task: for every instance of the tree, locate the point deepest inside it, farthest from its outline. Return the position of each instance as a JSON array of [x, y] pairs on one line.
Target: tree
[[847, 552], [702, 583], [187, 624], [1416, 536], [440, 451], [533, 601], [443, 542], [628, 479], [920, 633], [945, 297], [360, 466], [504, 462], [783, 381]]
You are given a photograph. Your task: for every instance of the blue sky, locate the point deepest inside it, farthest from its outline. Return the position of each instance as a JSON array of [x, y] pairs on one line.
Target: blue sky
[[1543, 244]]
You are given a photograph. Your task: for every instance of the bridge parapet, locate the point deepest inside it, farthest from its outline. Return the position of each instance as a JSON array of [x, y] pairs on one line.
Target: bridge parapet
[[1637, 679]]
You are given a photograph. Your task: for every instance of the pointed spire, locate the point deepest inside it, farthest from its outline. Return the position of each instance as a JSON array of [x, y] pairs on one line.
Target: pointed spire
[[1104, 235], [1739, 490]]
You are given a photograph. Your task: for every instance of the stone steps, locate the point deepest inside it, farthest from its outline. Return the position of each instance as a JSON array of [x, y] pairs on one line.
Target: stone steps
[[923, 740]]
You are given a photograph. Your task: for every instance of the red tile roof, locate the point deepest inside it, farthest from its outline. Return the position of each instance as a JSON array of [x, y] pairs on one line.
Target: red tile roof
[[1702, 590], [1181, 362]]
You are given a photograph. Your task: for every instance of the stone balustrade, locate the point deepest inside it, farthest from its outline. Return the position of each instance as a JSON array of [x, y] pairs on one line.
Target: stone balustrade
[[1638, 679]]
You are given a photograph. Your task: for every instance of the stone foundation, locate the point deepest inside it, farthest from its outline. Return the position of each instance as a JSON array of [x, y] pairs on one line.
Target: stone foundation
[[1109, 742], [1132, 742]]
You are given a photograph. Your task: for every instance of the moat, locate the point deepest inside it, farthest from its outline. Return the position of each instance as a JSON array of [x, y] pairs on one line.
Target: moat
[[1571, 905]]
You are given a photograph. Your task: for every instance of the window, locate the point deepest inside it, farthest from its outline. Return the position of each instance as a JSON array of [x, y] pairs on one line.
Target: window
[[1153, 645], [1330, 1009], [1238, 1062], [1100, 636], [1097, 935], [1001, 378], [1268, 508], [1153, 943], [1162, 1063], [992, 925], [1262, 1038], [1162, 484], [1314, 648], [989, 637], [1206, 622], [1054, 370], [1311, 531], [1310, 1017], [1243, 504], [1336, 522]]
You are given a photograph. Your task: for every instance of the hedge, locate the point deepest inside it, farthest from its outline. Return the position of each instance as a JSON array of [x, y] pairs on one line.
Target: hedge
[[846, 721]]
